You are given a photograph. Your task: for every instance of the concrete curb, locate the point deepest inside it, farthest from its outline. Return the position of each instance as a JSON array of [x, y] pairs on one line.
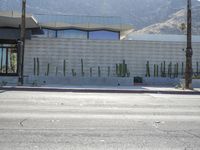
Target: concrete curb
[[39, 89]]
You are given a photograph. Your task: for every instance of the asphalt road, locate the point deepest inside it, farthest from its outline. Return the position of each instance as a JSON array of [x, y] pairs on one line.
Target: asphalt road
[[70, 121]]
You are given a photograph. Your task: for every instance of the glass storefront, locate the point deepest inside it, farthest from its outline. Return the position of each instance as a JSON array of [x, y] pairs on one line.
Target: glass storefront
[[81, 34], [8, 59]]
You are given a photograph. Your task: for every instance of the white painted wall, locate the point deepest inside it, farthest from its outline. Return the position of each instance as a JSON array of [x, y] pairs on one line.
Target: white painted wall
[[103, 53]]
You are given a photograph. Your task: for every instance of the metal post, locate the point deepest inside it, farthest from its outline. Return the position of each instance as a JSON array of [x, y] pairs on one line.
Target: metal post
[[189, 52], [22, 43]]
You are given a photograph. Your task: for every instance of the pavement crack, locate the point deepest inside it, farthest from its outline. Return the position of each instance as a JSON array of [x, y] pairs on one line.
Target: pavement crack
[[165, 131], [192, 134], [21, 122]]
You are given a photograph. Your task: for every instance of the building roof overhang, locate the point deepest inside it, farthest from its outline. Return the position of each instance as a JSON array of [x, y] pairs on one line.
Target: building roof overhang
[[123, 29], [86, 26], [13, 20]]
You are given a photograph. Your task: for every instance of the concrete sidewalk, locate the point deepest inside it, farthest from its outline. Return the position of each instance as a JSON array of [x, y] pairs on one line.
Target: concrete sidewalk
[[102, 89]]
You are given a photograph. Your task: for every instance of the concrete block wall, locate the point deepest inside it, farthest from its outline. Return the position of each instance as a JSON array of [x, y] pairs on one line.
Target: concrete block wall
[[161, 81], [10, 80], [102, 53]]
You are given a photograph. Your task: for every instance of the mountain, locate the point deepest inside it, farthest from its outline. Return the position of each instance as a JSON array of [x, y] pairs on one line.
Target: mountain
[[173, 25], [139, 13]]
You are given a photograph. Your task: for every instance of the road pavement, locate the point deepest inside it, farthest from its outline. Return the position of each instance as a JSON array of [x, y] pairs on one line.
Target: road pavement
[[108, 121]]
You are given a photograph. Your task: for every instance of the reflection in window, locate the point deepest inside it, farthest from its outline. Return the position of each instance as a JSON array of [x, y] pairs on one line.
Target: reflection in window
[[72, 34], [3, 60], [49, 33], [8, 60], [103, 35], [12, 61], [8, 45], [81, 34]]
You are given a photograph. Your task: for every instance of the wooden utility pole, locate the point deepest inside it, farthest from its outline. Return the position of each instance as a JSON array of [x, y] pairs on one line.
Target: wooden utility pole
[[189, 52], [22, 43]]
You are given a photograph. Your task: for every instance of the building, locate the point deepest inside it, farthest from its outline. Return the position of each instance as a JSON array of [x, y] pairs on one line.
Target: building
[[90, 48]]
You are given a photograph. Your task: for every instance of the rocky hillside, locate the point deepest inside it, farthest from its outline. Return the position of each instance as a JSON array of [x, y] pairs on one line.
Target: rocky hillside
[[173, 25]]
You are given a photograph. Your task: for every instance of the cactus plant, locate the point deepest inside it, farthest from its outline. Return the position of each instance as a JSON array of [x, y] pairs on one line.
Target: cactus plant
[[99, 71], [90, 72], [117, 70], [157, 70], [170, 70], [122, 69], [148, 70], [176, 70], [34, 66], [82, 69], [57, 71], [38, 66], [154, 67], [64, 67], [164, 71], [48, 68]]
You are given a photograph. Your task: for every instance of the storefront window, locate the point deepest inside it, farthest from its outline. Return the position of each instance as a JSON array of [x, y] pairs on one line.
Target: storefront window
[[81, 34], [72, 34], [12, 61], [3, 60], [103, 35], [8, 59], [49, 33]]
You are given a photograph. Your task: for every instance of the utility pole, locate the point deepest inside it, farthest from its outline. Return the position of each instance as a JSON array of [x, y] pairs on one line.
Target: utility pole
[[22, 43], [189, 52]]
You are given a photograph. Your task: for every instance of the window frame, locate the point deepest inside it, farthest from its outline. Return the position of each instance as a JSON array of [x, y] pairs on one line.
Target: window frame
[[7, 49], [72, 29], [83, 30], [118, 32]]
